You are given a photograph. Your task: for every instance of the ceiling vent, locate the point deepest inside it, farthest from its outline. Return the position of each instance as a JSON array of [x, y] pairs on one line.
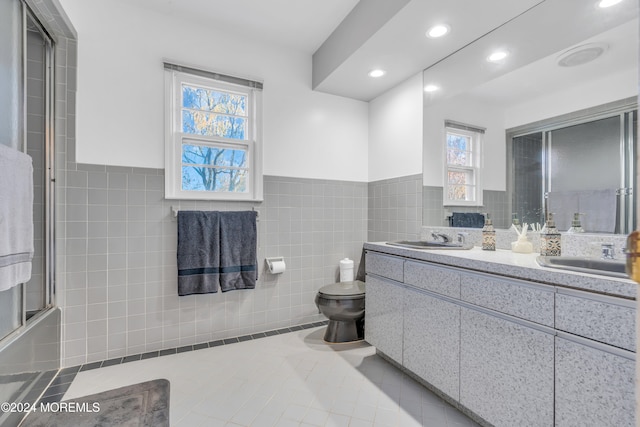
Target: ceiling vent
[[581, 54]]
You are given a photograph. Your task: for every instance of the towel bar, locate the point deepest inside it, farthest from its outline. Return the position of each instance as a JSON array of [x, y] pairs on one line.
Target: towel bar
[[175, 210]]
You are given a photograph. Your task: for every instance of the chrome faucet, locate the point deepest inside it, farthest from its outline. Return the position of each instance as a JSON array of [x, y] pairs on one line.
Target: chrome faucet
[[608, 251], [461, 238], [440, 237]]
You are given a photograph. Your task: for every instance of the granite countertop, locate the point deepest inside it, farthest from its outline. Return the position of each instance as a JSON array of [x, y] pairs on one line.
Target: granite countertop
[[508, 263]]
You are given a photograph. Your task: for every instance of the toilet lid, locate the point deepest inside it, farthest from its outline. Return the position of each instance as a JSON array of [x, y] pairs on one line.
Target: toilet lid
[[343, 289]]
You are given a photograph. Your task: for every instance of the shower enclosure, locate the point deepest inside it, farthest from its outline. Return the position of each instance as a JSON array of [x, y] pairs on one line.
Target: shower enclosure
[[29, 324], [582, 164]]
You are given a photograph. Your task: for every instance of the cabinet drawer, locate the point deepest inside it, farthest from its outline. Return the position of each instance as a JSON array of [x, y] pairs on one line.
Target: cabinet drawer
[[445, 281], [606, 319], [510, 296], [385, 266]]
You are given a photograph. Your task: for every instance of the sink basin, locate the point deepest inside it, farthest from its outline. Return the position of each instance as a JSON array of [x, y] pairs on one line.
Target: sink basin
[[585, 265], [419, 244]]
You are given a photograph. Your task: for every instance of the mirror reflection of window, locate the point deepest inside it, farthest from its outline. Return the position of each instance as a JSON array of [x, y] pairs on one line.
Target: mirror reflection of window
[[462, 169]]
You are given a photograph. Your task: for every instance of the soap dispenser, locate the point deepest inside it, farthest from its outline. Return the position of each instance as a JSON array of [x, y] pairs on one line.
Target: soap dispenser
[[488, 235], [576, 226], [550, 238]]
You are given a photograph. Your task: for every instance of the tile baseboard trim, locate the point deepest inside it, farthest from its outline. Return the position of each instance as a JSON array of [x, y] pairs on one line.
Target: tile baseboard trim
[[65, 376]]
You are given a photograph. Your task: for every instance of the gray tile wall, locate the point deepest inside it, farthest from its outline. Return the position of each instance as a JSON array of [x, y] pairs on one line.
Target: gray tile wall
[[395, 208], [120, 285], [495, 202]]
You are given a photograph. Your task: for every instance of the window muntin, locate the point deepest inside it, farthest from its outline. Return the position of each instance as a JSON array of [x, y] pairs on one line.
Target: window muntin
[[213, 148], [462, 169]]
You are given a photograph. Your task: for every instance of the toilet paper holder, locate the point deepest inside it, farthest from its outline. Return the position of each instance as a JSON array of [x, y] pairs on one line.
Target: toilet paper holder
[[271, 263]]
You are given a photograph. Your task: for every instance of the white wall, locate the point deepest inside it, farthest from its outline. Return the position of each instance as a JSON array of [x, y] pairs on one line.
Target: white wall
[[465, 109], [608, 88], [120, 93], [395, 131]]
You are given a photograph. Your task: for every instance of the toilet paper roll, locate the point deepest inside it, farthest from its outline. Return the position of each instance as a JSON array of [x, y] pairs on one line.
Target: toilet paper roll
[[277, 267], [346, 270]]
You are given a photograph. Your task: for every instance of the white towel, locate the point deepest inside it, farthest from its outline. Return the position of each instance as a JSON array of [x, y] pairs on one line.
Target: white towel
[[16, 217]]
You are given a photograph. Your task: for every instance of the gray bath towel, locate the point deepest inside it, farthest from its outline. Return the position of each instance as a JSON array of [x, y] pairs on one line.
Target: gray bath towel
[[238, 250], [198, 252], [467, 219]]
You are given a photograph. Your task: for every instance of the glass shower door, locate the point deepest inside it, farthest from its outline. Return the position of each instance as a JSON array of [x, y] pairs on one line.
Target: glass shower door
[[26, 125], [582, 166], [588, 173], [528, 190]]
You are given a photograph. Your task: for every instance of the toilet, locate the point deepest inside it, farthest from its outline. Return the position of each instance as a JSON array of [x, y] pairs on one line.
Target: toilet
[[343, 304]]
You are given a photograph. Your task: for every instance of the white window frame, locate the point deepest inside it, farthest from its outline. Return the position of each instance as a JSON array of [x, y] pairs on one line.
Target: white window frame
[[476, 136], [175, 138]]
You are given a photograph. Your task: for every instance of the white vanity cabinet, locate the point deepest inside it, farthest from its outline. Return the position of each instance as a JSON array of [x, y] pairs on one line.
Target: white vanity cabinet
[[594, 384], [512, 351], [432, 340], [506, 369]]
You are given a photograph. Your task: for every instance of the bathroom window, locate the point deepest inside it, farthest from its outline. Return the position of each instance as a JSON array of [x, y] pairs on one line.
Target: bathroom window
[[462, 165], [213, 149]]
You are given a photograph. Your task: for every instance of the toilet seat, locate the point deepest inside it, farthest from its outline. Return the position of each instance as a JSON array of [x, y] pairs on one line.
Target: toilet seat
[[343, 290]]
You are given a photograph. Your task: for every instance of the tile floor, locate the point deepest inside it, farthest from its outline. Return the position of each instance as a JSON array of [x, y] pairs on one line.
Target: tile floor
[[293, 379]]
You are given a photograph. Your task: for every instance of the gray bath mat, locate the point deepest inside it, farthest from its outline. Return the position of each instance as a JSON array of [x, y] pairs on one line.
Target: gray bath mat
[[139, 405]]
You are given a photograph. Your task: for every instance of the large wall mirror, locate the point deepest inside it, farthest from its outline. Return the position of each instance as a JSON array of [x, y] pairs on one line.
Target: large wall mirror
[[558, 117]]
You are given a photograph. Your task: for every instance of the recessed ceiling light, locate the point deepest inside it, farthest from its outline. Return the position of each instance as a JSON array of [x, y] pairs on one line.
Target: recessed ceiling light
[[497, 56], [377, 73], [608, 3], [431, 88], [438, 31]]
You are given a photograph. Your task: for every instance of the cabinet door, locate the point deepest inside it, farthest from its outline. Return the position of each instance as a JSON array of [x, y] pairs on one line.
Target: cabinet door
[[594, 385], [506, 370], [383, 316], [432, 340]]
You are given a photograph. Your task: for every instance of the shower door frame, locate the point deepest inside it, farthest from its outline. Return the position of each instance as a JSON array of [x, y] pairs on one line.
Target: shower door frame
[[49, 157], [624, 109]]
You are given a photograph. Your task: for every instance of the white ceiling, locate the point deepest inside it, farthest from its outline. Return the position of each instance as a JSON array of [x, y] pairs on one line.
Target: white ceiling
[[299, 24], [621, 55], [396, 43]]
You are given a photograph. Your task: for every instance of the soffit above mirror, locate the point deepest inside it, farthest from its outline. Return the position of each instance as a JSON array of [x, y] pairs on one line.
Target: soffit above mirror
[[399, 45]]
